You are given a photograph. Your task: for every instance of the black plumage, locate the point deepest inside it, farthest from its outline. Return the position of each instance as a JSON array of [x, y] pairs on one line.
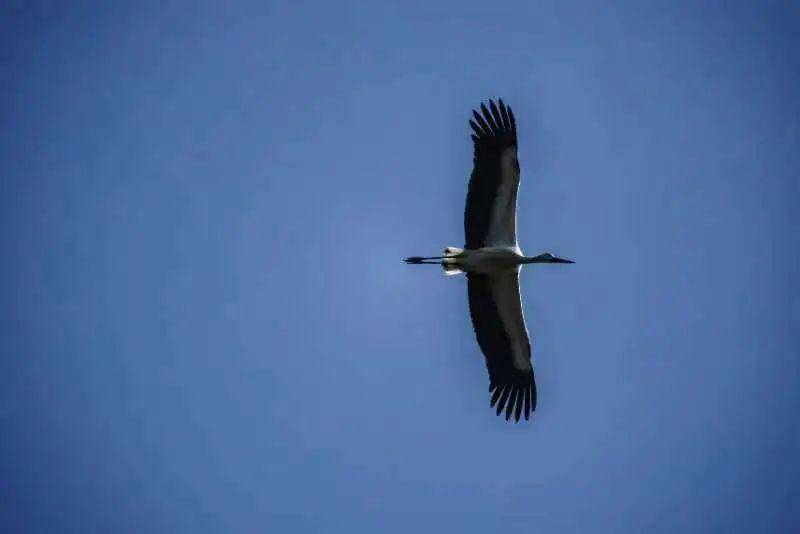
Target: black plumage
[[495, 131], [512, 389]]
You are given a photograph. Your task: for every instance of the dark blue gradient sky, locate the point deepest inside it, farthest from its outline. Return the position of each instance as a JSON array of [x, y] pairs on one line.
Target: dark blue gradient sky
[[207, 328]]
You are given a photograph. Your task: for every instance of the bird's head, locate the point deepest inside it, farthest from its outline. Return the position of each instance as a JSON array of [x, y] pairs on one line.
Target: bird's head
[[548, 258]]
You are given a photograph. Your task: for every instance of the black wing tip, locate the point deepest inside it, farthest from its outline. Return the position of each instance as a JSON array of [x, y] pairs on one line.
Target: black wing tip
[[517, 401], [494, 122]]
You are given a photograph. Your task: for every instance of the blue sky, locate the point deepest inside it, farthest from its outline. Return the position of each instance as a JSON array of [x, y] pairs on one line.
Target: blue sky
[[207, 327]]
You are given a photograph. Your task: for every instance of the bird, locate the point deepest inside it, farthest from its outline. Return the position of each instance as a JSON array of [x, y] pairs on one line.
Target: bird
[[492, 260]]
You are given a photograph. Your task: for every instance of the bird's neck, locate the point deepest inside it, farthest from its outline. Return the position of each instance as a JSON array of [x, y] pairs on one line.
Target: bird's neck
[[531, 259]]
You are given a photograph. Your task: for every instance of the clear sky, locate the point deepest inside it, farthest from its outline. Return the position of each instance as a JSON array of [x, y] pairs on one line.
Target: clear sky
[[206, 325]]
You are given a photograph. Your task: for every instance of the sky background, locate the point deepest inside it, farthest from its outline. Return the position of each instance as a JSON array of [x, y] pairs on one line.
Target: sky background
[[206, 325]]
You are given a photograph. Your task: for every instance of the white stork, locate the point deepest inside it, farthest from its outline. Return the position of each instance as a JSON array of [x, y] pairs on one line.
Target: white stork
[[492, 260]]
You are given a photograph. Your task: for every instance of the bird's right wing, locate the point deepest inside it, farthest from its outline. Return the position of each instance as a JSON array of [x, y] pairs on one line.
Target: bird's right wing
[[496, 309], [490, 217]]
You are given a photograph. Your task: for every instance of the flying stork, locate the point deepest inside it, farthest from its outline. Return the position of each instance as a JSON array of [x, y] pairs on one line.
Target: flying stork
[[492, 260]]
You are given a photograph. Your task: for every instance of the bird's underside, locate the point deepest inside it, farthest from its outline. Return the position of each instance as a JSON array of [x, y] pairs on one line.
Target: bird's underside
[[492, 261]]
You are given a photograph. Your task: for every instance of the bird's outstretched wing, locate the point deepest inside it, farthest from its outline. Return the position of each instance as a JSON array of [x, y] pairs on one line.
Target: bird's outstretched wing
[[496, 310], [490, 217]]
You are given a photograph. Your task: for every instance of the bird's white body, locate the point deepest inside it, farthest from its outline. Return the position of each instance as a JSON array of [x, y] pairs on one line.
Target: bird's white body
[[485, 260]]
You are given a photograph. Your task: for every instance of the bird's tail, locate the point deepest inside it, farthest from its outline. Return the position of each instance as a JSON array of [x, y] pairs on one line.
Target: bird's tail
[[449, 261]]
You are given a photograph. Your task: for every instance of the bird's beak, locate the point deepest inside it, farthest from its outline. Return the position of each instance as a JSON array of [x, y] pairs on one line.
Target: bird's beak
[[561, 260]]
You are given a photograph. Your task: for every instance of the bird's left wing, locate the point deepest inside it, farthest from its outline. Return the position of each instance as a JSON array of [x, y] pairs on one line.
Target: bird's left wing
[[496, 310], [490, 216]]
